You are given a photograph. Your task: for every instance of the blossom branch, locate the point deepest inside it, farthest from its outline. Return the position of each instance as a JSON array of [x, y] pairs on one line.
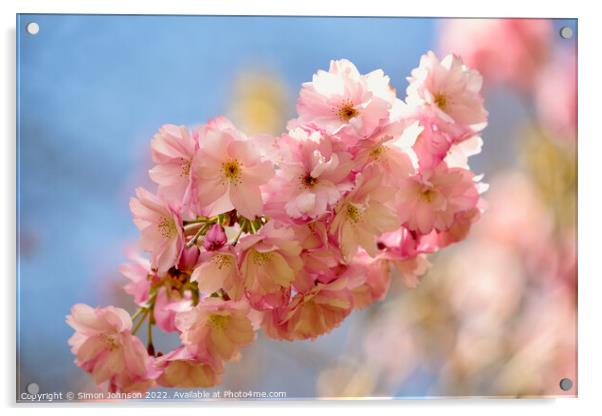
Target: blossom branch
[[289, 235]]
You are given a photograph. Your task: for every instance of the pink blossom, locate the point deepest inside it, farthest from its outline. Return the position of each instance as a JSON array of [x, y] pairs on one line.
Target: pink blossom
[[228, 172], [368, 279], [403, 244], [458, 154], [459, 229], [391, 151], [104, 346], [138, 271], [219, 270], [270, 260], [322, 258], [449, 88], [406, 252], [182, 368], [510, 51], [312, 177], [428, 139], [217, 123], [343, 101], [160, 227], [126, 382], [438, 137], [216, 328], [363, 214], [310, 314], [173, 148], [432, 199], [168, 303]]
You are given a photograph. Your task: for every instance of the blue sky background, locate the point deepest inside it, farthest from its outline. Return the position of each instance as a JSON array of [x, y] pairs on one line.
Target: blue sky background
[[92, 91]]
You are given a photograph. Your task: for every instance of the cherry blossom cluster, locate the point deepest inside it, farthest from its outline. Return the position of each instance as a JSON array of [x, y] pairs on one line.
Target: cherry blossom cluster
[[289, 234]]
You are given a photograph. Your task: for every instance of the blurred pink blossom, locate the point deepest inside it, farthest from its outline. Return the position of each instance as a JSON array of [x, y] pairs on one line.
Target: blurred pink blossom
[[510, 51], [556, 95]]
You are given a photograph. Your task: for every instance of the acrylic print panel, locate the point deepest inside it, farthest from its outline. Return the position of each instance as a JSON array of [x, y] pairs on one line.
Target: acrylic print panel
[[229, 207]]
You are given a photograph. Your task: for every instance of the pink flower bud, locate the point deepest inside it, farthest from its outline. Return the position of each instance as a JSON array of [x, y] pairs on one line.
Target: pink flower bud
[[215, 238], [189, 258]]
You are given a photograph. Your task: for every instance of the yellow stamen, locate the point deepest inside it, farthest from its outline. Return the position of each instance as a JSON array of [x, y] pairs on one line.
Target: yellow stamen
[[259, 259], [185, 168], [353, 212], [167, 227], [377, 152], [232, 170], [308, 181], [440, 100], [218, 321], [346, 111], [222, 260], [427, 195], [112, 343]]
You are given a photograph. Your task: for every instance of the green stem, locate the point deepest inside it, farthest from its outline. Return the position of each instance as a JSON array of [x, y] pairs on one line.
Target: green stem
[[199, 233], [198, 220], [237, 237], [190, 228], [137, 314], [139, 323]]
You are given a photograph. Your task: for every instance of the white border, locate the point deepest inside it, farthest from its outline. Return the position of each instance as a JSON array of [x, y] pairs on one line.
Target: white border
[[590, 209]]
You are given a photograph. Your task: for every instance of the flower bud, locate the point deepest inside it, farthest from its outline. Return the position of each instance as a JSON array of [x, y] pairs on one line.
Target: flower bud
[[215, 238], [189, 258]]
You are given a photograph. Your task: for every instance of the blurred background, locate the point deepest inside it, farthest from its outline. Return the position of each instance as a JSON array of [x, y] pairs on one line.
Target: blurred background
[[496, 314]]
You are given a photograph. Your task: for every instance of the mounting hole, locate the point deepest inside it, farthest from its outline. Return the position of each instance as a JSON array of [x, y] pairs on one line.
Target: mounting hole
[[566, 384], [33, 388], [32, 28], [566, 32]]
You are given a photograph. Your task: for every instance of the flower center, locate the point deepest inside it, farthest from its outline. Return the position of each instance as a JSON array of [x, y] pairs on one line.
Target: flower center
[[222, 260], [218, 321], [167, 227], [112, 343], [308, 181], [427, 195], [259, 259], [185, 168], [353, 212], [346, 111], [440, 100], [231, 170], [377, 152]]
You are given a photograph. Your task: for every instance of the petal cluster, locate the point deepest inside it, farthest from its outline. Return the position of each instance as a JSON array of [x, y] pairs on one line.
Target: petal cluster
[[289, 234]]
